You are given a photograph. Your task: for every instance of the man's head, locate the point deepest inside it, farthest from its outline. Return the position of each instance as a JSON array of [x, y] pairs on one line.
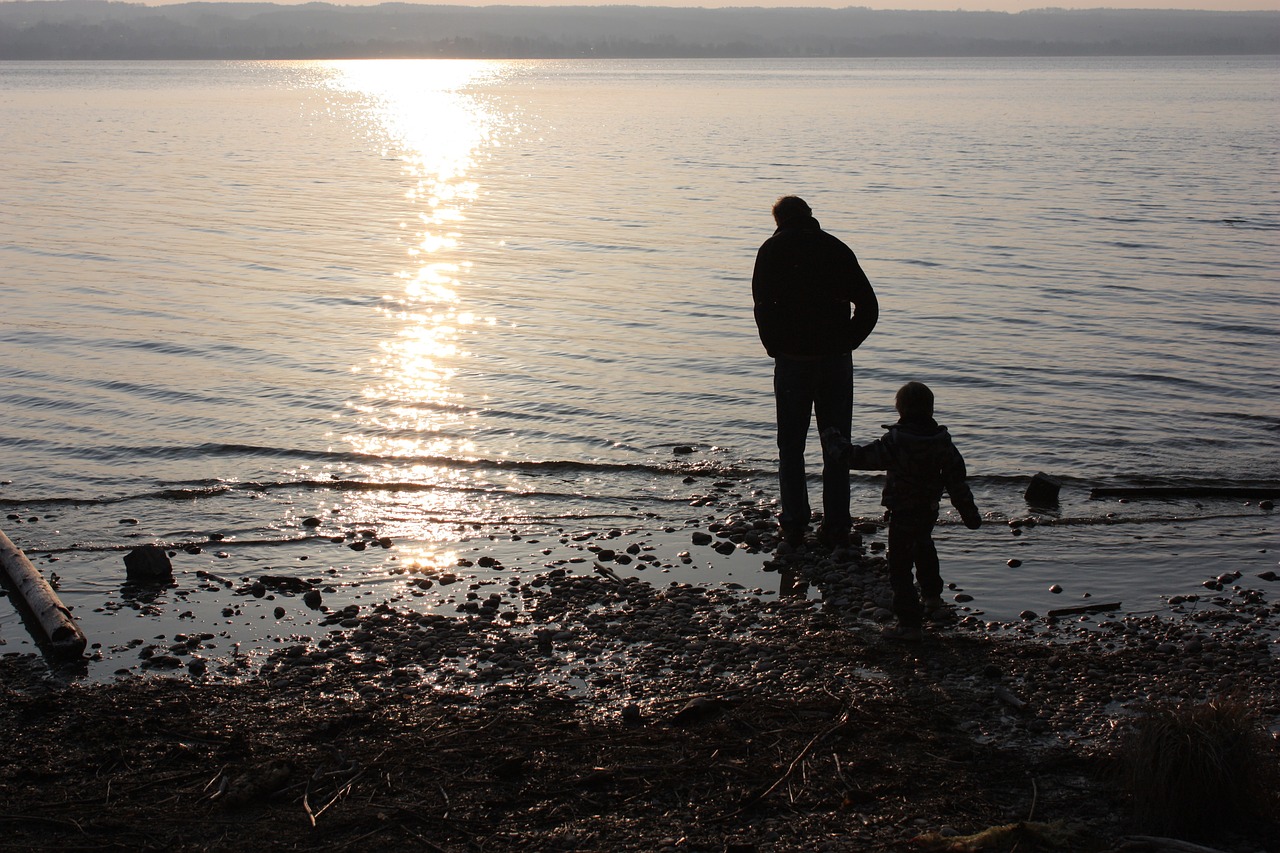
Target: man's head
[[790, 208], [914, 400]]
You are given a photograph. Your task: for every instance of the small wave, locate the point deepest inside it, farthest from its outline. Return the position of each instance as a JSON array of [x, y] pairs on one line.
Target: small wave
[[1136, 520], [165, 494], [1248, 224], [693, 465], [206, 490], [178, 544]]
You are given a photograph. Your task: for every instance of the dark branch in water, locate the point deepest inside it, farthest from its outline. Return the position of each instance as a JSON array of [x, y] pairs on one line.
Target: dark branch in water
[[1187, 492]]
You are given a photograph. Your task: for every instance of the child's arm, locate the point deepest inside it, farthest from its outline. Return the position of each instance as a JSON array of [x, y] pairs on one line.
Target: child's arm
[[837, 449], [871, 457], [955, 476]]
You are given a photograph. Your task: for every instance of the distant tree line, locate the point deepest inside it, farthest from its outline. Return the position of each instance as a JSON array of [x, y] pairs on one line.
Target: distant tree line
[[98, 29]]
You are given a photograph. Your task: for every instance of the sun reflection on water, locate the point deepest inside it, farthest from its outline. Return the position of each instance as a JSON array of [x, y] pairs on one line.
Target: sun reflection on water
[[411, 409]]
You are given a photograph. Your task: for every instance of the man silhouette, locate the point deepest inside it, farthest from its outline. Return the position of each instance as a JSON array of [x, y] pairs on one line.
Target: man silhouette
[[804, 285]]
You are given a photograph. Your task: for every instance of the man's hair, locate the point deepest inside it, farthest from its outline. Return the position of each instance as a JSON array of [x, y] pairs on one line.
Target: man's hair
[[790, 208], [914, 398]]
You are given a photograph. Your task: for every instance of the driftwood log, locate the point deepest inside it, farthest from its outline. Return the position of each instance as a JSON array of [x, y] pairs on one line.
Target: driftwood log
[[1100, 607], [37, 601], [1160, 492]]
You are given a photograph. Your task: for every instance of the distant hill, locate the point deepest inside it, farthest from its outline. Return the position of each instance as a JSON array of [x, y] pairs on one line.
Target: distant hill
[[96, 29]]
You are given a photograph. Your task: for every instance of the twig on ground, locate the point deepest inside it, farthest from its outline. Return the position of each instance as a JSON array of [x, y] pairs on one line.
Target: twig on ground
[[822, 735], [40, 818], [1172, 845]]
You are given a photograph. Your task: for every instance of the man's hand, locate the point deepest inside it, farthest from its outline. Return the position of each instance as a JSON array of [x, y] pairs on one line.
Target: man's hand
[[972, 518]]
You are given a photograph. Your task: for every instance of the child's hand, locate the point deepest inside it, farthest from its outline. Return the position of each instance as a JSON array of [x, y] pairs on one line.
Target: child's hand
[[972, 518], [836, 449]]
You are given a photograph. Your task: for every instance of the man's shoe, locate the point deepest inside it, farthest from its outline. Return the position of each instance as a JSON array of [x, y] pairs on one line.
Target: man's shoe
[[793, 536], [933, 603], [833, 539], [902, 634]]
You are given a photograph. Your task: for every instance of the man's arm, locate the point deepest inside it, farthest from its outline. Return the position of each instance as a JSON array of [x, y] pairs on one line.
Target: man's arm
[[866, 308], [764, 292]]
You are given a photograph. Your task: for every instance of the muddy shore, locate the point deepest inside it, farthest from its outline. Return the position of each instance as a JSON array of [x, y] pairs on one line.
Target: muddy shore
[[609, 713]]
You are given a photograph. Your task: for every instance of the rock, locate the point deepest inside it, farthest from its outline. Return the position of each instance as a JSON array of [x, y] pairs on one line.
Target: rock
[[284, 583], [697, 710], [148, 564], [1014, 563], [701, 537], [1056, 589], [312, 598], [1043, 490]]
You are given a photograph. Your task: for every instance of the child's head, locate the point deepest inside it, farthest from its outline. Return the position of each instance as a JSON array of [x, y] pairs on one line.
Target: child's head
[[914, 400]]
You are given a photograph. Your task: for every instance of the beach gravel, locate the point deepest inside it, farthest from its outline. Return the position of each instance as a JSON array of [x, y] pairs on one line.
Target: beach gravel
[[607, 713]]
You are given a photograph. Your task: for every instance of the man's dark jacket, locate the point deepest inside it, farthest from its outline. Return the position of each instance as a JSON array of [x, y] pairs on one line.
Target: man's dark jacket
[[804, 283]]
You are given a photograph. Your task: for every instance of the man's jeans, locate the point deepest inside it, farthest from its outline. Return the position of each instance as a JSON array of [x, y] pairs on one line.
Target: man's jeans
[[824, 387]]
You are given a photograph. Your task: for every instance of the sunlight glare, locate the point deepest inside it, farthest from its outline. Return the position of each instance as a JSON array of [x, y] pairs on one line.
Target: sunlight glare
[[426, 117]]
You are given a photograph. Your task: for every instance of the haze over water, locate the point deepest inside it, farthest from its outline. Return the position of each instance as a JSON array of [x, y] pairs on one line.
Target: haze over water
[[451, 299]]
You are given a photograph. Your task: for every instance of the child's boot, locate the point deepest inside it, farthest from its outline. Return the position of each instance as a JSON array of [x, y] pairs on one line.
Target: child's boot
[[903, 633]]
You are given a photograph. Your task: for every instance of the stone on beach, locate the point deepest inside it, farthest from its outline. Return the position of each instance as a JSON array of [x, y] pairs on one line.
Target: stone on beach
[[148, 564]]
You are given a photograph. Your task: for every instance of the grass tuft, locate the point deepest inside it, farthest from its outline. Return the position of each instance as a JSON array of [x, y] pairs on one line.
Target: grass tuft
[[1193, 768]]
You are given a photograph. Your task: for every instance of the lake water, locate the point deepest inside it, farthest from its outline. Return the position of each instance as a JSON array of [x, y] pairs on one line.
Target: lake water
[[476, 306]]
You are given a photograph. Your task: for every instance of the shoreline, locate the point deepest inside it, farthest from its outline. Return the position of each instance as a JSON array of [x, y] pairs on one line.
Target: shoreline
[[247, 597], [612, 713]]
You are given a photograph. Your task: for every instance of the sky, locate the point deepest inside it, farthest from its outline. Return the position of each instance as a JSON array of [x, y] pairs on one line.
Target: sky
[[949, 5]]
